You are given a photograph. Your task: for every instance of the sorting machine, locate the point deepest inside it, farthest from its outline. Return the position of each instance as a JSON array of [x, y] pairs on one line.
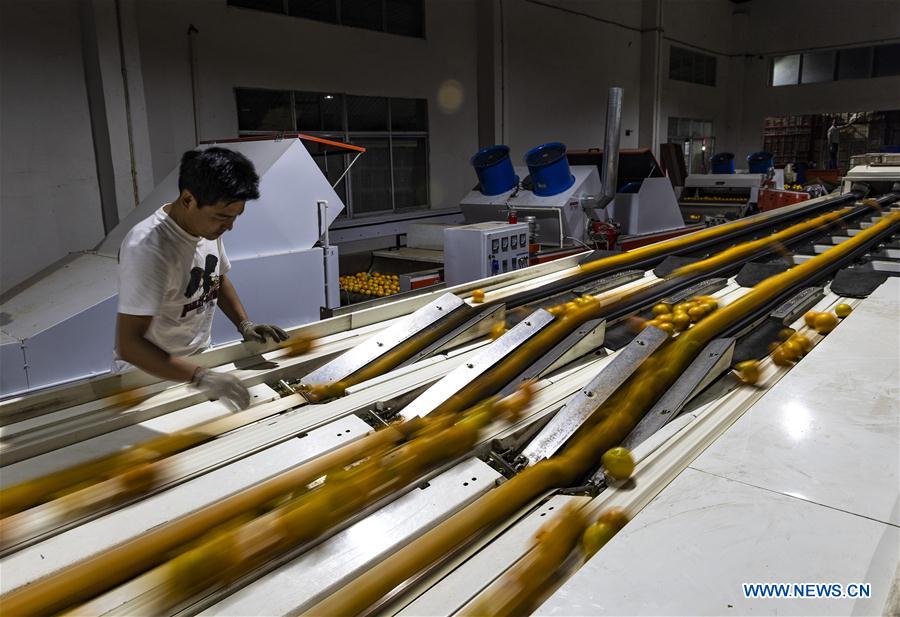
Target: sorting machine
[[439, 454]]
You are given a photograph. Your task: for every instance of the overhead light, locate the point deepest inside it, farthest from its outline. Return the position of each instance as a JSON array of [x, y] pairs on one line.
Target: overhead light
[[703, 148], [328, 97]]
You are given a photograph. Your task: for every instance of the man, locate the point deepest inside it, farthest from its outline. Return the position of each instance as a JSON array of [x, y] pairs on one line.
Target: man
[[172, 274], [834, 140]]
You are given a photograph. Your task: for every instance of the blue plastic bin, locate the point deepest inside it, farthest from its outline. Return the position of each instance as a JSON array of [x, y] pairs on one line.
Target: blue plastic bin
[[550, 174], [494, 169], [722, 163], [759, 162]]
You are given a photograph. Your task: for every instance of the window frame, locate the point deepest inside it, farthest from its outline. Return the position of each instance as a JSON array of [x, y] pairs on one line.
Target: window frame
[[285, 11], [695, 58], [348, 136]]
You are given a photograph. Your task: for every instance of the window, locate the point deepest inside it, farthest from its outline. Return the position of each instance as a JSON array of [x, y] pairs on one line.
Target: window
[[403, 17], [691, 66], [887, 60], [854, 63], [393, 173], [696, 140], [786, 70], [818, 67]]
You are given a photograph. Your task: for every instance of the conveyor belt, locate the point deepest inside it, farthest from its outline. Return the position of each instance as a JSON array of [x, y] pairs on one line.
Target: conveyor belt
[[421, 448]]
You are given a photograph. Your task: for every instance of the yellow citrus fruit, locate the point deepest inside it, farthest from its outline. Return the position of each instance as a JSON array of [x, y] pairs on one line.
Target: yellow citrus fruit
[[668, 328], [696, 313], [618, 463], [748, 371], [810, 318], [660, 309], [665, 318], [780, 358], [785, 334], [825, 323], [681, 320], [614, 517], [595, 537], [803, 341], [792, 349], [478, 295], [842, 310]]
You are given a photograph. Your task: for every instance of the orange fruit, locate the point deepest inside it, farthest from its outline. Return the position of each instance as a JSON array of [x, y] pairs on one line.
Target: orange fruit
[[478, 295], [664, 318], [696, 313], [666, 327], [792, 349], [618, 463], [595, 537], [614, 517], [803, 341], [748, 371], [785, 334], [660, 309], [825, 323], [843, 309], [810, 318], [780, 358], [681, 320]]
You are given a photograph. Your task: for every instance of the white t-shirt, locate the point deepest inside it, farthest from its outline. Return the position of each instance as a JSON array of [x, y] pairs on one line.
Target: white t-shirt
[[167, 273], [834, 135]]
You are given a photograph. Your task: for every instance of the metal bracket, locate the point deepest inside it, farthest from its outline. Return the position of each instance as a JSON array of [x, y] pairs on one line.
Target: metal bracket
[[385, 341], [590, 337], [489, 357], [702, 288], [609, 282], [706, 367], [580, 407], [789, 311]]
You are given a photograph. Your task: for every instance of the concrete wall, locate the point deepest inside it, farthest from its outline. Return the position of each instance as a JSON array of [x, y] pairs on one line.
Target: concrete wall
[[558, 64], [245, 48], [49, 197], [721, 35]]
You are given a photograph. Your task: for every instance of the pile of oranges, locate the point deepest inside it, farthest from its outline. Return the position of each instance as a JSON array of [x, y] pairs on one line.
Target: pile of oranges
[[679, 317], [793, 345], [371, 283]]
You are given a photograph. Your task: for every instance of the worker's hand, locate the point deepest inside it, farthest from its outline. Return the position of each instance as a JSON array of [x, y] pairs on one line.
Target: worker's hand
[[221, 386], [259, 331]]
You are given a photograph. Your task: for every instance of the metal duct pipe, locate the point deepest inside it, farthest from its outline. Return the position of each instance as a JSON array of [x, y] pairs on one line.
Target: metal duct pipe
[[611, 147]]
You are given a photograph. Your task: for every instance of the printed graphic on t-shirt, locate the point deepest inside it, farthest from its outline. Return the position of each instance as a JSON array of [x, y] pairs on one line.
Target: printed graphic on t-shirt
[[210, 282]]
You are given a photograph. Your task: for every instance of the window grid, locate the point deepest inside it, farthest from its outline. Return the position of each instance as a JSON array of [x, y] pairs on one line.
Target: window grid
[[414, 13], [888, 66], [349, 136]]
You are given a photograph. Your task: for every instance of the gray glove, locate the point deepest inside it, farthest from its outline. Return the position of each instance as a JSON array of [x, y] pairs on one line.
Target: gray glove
[[221, 386], [259, 331]]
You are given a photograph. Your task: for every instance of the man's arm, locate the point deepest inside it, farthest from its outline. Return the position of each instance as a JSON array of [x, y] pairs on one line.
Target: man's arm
[[230, 303], [134, 348]]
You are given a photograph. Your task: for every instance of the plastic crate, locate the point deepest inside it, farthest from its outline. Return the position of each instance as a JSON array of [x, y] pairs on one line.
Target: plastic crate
[[772, 199]]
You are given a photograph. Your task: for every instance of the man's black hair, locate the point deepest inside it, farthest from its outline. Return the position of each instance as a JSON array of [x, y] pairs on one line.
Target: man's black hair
[[217, 174]]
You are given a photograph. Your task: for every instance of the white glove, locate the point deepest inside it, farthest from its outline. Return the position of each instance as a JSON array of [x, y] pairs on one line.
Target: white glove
[[221, 386], [258, 332]]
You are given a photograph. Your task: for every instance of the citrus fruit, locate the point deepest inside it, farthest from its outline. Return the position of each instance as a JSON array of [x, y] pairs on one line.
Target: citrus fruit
[[618, 463]]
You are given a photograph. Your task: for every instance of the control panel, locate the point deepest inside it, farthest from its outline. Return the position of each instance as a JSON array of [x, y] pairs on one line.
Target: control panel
[[486, 249]]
